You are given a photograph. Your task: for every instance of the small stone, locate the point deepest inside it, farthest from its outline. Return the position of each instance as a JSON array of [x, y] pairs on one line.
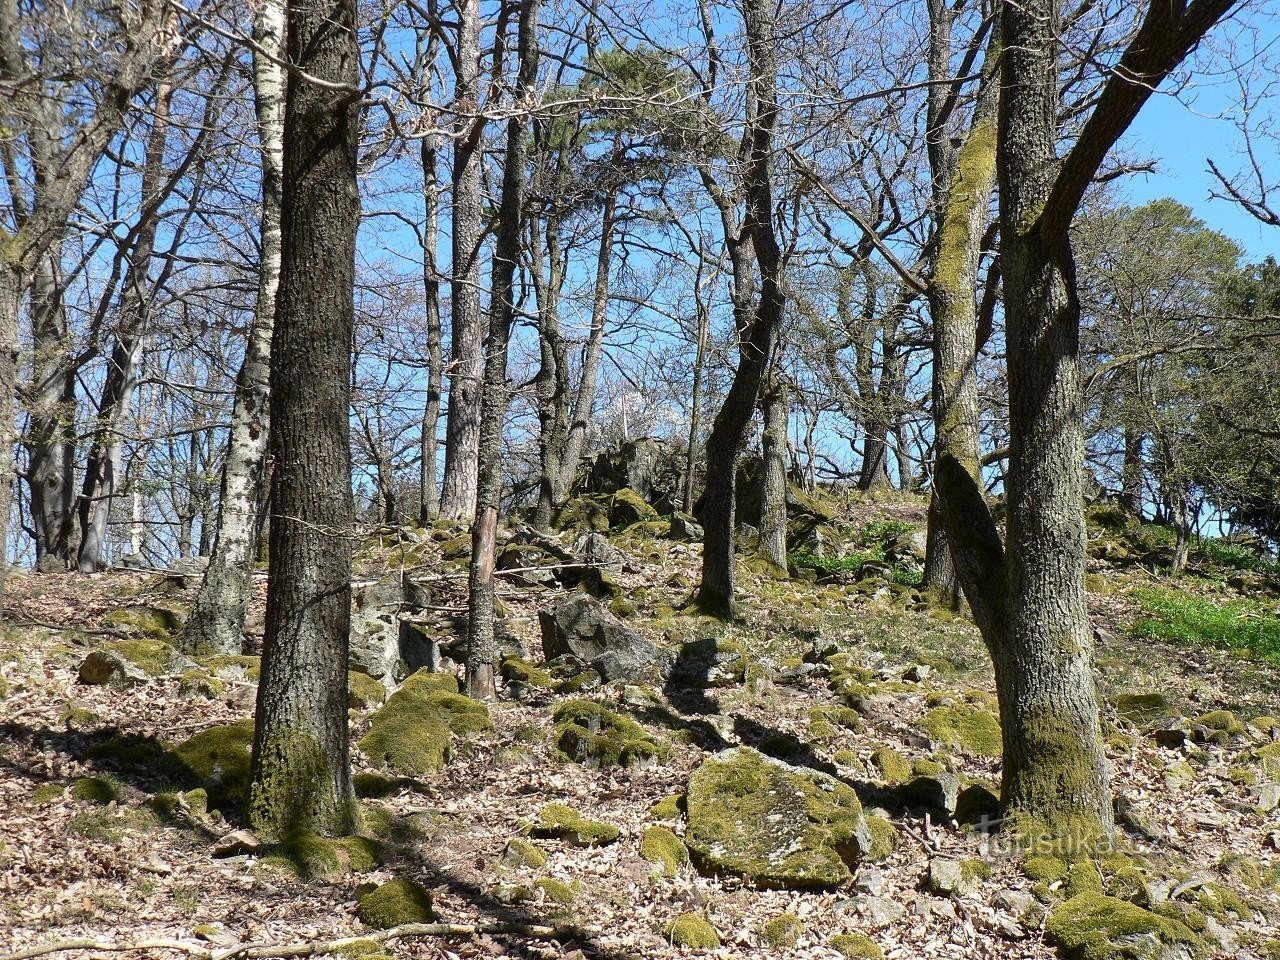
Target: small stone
[[1171, 738], [878, 911], [918, 674], [948, 878], [939, 793], [1268, 795], [109, 668], [870, 881], [236, 843]]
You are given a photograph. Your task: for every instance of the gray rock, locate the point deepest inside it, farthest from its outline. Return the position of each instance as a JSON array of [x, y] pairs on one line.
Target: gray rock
[[949, 878], [597, 549], [918, 674], [581, 627], [685, 527], [106, 667], [1268, 795], [869, 881], [878, 912], [648, 465], [939, 793]]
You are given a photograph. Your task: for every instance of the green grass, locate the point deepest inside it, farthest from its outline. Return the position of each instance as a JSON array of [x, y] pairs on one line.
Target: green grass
[[1238, 556], [1243, 625]]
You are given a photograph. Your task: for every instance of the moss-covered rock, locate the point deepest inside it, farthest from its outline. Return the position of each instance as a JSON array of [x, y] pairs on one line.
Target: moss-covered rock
[[1142, 708], [1093, 926], [517, 670], [374, 785], [396, 902], [97, 790], [520, 852], [892, 766], [774, 824], [218, 759], [669, 808], [884, 838], [560, 821], [417, 729], [363, 691], [232, 666], [47, 793], [310, 856], [1044, 868], [664, 849], [973, 729], [856, 946], [1223, 721], [199, 683], [596, 737], [783, 931], [159, 623], [693, 932], [557, 891], [583, 513], [832, 723]]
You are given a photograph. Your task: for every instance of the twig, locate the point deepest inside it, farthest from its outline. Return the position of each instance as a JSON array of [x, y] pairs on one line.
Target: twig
[[301, 948]]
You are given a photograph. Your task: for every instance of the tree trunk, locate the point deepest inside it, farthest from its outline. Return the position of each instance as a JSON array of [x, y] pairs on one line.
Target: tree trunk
[[216, 624], [10, 304], [482, 651], [547, 267], [1132, 471], [428, 489], [757, 327], [301, 767], [773, 511], [695, 397], [104, 469], [462, 424]]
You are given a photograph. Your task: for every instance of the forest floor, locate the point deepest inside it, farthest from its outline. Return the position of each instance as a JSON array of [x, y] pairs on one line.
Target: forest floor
[[100, 863]]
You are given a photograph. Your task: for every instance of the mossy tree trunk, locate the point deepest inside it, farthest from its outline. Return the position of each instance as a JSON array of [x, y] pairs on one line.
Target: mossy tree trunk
[[482, 653], [773, 509], [1028, 596], [757, 318], [301, 767], [216, 624]]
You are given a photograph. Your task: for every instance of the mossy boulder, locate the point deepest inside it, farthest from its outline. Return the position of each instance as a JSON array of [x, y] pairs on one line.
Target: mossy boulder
[[560, 821], [218, 759], [520, 852], [517, 670], [363, 691], [156, 622], [693, 932], [1222, 721], [583, 513], [1093, 926], [856, 946], [557, 891], [417, 730], [891, 765], [310, 856], [973, 729], [396, 902], [596, 737], [198, 683], [664, 849], [669, 808], [783, 931], [97, 790], [752, 816], [1143, 707], [884, 838]]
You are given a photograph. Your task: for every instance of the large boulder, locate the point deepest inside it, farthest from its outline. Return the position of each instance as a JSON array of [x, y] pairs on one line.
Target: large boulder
[[383, 644], [581, 627], [774, 824], [649, 466]]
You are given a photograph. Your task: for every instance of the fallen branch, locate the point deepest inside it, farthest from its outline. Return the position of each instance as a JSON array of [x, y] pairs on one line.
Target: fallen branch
[[302, 948]]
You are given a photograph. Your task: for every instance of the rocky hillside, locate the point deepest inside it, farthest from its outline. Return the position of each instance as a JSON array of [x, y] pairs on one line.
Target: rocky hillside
[[819, 780]]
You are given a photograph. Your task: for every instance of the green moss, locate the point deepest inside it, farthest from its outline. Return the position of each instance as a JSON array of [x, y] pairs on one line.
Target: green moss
[[313, 857], [95, 790], [556, 891], [782, 931], [78, 718], [830, 723], [974, 730], [562, 822], [1093, 926], [363, 691], [364, 950], [1224, 721], [669, 808], [663, 848], [596, 737], [777, 825], [415, 731], [395, 902], [693, 932], [218, 758], [1083, 876], [856, 946], [884, 839], [1221, 902], [375, 784], [1044, 868], [233, 666], [523, 853], [197, 683], [1269, 758], [892, 766], [47, 793], [157, 623], [154, 657]]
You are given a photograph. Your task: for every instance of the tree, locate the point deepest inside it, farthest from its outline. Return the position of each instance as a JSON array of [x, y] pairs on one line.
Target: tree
[[216, 624], [301, 767], [1027, 594]]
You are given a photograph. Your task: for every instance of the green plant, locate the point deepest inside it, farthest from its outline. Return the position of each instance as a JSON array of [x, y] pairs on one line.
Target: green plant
[[1245, 625]]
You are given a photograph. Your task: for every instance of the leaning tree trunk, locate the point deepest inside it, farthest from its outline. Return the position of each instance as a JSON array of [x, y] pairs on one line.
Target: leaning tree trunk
[[216, 624], [462, 423], [482, 653], [773, 511], [971, 177], [301, 767], [757, 328]]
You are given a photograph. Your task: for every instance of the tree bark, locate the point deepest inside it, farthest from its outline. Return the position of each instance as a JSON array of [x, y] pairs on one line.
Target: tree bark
[[757, 324], [301, 766], [428, 489], [1132, 471], [695, 397], [467, 361], [216, 624], [773, 511], [482, 651]]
